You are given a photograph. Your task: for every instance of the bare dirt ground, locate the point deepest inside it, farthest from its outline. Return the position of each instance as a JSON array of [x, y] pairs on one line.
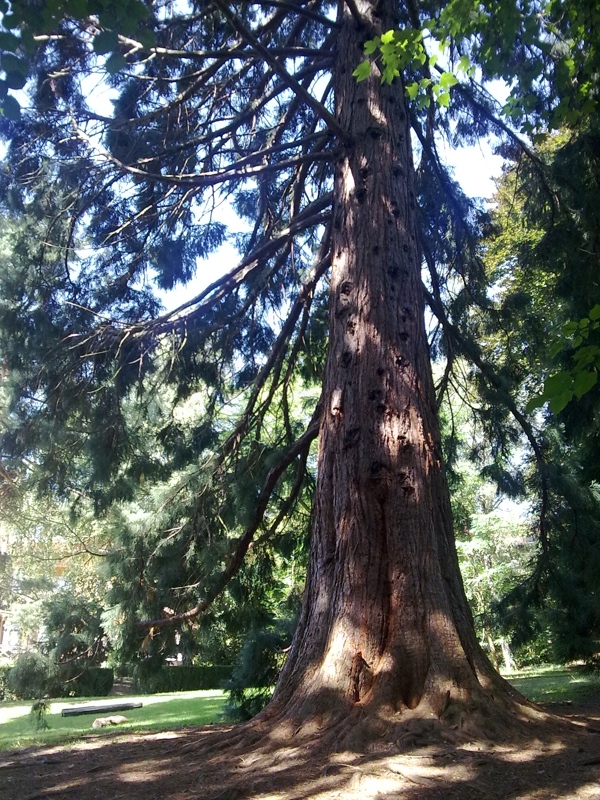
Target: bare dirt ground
[[556, 761]]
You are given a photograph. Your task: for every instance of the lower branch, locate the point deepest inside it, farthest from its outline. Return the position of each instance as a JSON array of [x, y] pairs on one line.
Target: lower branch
[[299, 448]]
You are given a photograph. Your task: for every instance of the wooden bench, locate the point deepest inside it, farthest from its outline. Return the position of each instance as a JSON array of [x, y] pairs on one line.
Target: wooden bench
[[74, 711]]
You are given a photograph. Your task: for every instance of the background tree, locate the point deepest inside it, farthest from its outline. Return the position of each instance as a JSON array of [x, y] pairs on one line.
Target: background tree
[[258, 104], [544, 243], [496, 542]]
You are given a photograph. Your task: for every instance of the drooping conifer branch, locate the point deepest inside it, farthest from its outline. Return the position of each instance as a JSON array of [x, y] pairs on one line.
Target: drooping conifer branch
[[298, 450], [107, 337], [472, 352]]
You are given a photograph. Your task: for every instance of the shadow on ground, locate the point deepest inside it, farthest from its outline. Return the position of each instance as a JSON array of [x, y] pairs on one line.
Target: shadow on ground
[[555, 762]]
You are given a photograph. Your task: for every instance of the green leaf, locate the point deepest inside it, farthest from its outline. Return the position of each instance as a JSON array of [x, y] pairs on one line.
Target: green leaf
[[11, 63], [595, 312], [387, 37], [558, 384], [15, 80], [586, 355], [389, 73], [559, 402], [147, 38], [589, 107], [556, 348], [105, 42], [412, 90], [536, 402], [443, 99], [78, 9], [10, 21], [370, 47], [28, 43], [8, 41], [448, 79], [583, 382], [11, 108], [129, 15], [464, 64], [389, 52], [363, 71], [115, 63]]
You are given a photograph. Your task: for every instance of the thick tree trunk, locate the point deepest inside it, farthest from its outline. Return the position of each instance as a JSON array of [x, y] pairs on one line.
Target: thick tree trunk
[[385, 624]]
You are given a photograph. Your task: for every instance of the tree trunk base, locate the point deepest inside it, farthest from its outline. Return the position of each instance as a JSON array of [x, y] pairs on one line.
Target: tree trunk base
[[363, 729], [367, 754]]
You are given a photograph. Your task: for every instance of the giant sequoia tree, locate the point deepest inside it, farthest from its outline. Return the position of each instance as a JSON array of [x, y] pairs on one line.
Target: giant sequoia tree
[[257, 102]]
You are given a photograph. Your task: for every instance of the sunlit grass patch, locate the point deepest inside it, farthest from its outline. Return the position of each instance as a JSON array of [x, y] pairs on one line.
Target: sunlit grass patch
[[159, 712], [551, 684]]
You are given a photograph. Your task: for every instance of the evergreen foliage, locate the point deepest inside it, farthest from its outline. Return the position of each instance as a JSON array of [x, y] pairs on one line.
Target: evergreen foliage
[[258, 668], [33, 676], [73, 634], [5, 692], [543, 244]]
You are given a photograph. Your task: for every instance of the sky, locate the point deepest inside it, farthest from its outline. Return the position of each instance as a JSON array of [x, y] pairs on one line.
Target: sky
[[475, 168]]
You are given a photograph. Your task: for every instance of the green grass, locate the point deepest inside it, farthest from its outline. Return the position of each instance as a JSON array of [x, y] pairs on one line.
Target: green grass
[[159, 712], [164, 711], [556, 684]]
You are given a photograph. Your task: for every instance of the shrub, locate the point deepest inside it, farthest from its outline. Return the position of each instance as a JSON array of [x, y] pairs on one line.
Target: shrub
[[39, 713], [5, 692], [181, 679], [92, 682], [33, 676]]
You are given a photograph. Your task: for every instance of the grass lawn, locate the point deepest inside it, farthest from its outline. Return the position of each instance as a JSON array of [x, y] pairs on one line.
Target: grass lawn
[[164, 711], [159, 712], [556, 684]]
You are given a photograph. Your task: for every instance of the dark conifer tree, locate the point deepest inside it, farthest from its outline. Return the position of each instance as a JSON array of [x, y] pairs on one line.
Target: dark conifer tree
[[542, 252]]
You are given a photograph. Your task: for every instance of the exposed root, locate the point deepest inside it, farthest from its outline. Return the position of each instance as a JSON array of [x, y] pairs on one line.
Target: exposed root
[[361, 729], [402, 752]]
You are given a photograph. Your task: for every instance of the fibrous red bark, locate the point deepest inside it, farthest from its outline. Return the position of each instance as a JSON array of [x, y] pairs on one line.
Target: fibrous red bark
[[385, 625]]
